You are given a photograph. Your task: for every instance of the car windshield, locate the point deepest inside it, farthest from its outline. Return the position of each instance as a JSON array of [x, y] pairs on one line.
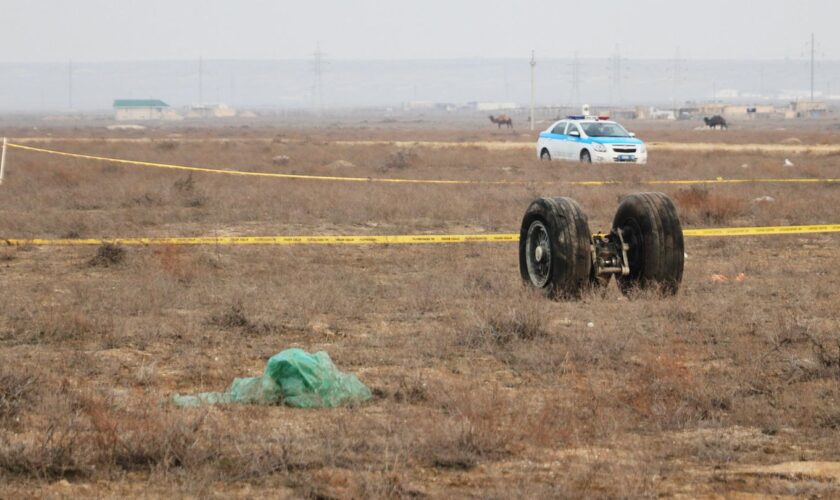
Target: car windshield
[[602, 129]]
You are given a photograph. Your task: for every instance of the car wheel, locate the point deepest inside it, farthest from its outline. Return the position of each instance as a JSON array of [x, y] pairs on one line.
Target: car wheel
[[555, 249], [545, 155], [651, 228], [585, 157]]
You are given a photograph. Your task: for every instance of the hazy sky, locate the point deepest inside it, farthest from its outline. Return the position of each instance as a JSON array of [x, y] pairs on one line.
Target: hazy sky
[[116, 30]]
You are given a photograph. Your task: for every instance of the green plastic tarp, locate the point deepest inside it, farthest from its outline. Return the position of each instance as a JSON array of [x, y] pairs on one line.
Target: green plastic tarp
[[293, 377]]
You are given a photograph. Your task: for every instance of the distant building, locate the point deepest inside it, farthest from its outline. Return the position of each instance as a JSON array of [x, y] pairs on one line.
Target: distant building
[[491, 106], [428, 106], [651, 113], [211, 111], [807, 109], [738, 111], [623, 113], [143, 109]]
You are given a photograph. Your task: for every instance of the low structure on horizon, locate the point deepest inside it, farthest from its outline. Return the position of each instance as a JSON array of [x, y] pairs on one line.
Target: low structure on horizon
[[143, 110], [807, 109], [491, 106], [211, 111]]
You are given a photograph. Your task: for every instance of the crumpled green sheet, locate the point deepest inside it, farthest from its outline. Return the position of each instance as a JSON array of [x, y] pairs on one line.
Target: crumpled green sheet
[[293, 377]]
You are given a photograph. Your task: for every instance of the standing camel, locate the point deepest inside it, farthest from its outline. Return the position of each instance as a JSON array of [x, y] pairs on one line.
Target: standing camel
[[502, 120], [715, 122]]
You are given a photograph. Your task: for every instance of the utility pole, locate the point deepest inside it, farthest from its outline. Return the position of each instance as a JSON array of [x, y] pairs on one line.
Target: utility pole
[[317, 86], [576, 80], [677, 76], [615, 76], [200, 80], [70, 84], [812, 67], [533, 86]]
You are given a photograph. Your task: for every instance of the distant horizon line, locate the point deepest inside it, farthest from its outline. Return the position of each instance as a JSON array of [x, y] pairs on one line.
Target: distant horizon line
[[525, 60]]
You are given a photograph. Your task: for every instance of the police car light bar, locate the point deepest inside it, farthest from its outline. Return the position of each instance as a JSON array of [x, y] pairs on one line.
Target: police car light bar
[[587, 117]]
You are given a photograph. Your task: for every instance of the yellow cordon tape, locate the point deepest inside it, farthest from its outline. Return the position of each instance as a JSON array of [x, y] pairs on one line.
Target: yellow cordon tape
[[391, 240], [257, 174], [758, 231], [719, 180]]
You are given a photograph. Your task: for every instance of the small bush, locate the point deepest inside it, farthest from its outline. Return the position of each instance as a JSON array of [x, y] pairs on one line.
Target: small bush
[[400, 160], [502, 329], [166, 145], [699, 204], [16, 392], [185, 185], [233, 317], [107, 255]]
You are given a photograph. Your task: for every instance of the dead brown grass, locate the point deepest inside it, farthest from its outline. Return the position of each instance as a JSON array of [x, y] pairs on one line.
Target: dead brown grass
[[483, 389], [700, 205]]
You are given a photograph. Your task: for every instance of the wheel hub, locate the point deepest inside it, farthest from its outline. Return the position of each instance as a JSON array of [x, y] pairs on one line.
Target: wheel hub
[[538, 254]]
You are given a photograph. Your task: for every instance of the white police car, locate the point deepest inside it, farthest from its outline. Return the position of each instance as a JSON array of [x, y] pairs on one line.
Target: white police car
[[590, 139]]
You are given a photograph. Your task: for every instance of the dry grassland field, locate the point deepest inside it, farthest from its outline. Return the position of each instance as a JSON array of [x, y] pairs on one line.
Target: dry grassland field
[[482, 387]]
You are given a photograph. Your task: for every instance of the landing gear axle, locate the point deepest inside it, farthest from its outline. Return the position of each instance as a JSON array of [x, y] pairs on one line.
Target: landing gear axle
[[643, 250]]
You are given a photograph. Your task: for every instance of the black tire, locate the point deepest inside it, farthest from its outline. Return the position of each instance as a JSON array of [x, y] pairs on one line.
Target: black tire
[[585, 157], [651, 227], [562, 265], [545, 155]]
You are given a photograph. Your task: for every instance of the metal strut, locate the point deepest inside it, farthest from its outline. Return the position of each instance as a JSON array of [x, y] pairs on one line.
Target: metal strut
[[609, 253]]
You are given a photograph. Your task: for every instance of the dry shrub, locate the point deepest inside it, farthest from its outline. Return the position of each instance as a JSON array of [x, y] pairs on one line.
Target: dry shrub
[[494, 328], [150, 438], [108, 255], [148, 199], [17, 391], [59, 324], [401, 159], [235, 317], [58, 451], [8, 254], [269, 455], [55, 454], [187, 191], [85, 434], [703, 206], [167, 145], [826, 348], [477, 425], [412, 389], [481, 424]]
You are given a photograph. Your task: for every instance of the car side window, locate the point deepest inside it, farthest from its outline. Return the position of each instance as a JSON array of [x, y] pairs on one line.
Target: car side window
[[572, 126], [559, 129]]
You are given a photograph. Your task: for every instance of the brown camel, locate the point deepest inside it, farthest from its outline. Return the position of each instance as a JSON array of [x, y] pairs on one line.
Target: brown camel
[[502, 120]]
